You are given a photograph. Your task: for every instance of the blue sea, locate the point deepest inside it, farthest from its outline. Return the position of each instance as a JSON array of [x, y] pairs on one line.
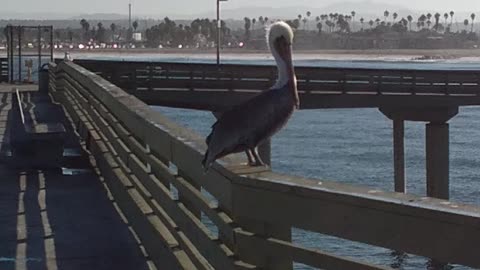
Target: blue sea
[[354, 146]]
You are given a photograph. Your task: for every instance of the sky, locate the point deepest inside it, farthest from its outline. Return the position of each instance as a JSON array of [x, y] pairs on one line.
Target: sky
[[162, 7]]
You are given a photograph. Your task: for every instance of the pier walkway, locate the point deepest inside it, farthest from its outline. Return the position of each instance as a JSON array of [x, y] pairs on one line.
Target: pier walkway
[[128, 191], [57, 218]]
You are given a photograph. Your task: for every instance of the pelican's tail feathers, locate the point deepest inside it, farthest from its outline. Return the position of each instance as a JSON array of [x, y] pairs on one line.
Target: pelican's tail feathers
[[209, 137], [207, 162]]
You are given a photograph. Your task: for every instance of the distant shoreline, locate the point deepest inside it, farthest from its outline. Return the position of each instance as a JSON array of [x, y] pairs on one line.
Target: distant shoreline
[[412, 53]]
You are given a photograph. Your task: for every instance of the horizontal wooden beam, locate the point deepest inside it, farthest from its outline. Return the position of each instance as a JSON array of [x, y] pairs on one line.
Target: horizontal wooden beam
[[222, 100], [278, 248], [438, 229]]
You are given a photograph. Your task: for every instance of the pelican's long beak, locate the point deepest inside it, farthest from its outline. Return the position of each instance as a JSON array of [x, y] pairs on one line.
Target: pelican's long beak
[[286, 54]]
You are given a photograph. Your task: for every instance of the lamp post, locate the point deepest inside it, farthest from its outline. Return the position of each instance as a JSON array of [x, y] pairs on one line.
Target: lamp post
[[219, 25]]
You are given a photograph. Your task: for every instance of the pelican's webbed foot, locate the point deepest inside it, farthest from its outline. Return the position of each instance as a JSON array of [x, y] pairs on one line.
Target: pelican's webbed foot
[[257, 161], [250, 158]]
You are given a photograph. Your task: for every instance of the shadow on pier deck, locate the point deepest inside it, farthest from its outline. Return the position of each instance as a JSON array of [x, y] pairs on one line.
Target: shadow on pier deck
[[50, 218]]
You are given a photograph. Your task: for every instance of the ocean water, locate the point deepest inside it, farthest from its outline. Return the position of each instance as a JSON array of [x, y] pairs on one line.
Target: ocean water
[[355, 146]]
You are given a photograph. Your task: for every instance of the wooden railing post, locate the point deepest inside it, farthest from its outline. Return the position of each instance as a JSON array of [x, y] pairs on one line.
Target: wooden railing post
[[257, 255], [1, 69]]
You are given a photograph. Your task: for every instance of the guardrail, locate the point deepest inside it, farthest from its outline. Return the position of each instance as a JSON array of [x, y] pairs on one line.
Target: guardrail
[[152, 169], [205, 86], [3, 70]]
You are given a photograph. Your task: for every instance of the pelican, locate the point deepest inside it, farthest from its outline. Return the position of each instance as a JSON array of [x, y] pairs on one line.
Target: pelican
[[245, 126]]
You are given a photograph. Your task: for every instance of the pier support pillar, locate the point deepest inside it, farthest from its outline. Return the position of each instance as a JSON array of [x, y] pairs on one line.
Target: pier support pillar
[[437, 144], [437, 154], [399, 155], [265, 151]]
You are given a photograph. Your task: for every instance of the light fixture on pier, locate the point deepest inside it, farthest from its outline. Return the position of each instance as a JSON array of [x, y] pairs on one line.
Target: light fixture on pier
[[219, 25]]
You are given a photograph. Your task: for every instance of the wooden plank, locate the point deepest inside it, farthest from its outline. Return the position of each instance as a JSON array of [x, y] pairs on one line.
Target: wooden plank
[[397, 81], [215, 101], [146, 231], [185, 243], [276, 248], [188, 223], [149, 230], [188, 159], [135, 115], [109, 162], [223, 222], [391, 220], [174, 211]]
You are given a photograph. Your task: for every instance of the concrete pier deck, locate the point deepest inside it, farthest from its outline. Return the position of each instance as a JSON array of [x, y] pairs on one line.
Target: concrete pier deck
[[58, 219]]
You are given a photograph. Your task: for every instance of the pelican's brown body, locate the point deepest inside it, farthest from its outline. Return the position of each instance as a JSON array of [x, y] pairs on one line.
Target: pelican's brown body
[[245, 126]]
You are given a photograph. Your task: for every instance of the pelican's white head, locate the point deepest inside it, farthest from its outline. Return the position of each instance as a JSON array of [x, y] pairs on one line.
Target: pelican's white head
[[279, 30], [280, 39]]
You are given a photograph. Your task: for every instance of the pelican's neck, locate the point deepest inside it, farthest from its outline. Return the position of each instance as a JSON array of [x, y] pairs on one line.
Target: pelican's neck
[[282, 68]]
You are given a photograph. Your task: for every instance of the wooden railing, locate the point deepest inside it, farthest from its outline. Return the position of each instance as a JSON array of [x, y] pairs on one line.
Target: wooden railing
[[152, 169], [205, 86], [3, 70]]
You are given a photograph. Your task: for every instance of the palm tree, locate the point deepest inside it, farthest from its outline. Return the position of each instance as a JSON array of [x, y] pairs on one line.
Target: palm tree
[[248, 23], [377, 20], [135, 25], [101, 33], [410, 19], [305, 20], [86, 28], [254, 21], [473, 20], [386, 13], [421, 21], [70, 34], [113, 27], [451, 17], [296, 24], [466, 22], [445, 16], [353, 13], [395, 16], [429, 16], [58, 34], [319, 27], [304, 23], [437, 19], [362, 20], [370, 23]]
